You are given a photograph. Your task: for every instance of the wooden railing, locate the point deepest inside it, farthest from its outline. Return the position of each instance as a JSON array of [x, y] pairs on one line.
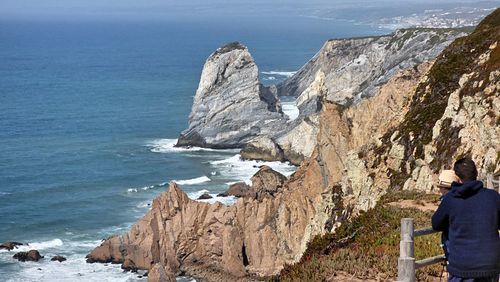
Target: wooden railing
[[406, 261]]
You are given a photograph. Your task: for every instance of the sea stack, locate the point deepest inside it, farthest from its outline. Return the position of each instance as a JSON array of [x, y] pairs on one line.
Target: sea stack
[[230, 106]]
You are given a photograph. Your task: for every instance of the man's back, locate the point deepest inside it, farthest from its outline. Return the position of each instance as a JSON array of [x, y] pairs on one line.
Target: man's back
[[471, 214]]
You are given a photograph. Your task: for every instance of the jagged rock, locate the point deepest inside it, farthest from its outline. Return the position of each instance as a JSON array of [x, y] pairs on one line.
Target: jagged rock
[[230, 106], [239, 189], [32, 255], [58, 258], [160, 273], [10, 245], [205, 196], [111, 254], [251, 236]]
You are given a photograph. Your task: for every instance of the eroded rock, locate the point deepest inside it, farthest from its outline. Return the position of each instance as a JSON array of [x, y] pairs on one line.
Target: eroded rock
[[58, 258], [32, 255], [239, 189]]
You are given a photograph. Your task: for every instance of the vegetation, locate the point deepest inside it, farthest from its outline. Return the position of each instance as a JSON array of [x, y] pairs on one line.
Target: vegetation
[[368, 246], [431, 97]]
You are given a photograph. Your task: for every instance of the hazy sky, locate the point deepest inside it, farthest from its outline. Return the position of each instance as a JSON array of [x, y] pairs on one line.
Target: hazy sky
[[165, 9]]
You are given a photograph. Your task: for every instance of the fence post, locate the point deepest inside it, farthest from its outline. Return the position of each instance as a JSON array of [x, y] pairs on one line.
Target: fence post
[[406, 260]]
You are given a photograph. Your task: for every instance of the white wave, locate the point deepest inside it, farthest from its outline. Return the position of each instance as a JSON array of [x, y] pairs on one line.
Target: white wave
[[46, 245], [193, 181], [290, 109], [280, 73], [37, 246], [242, 170], [168, 146], [75, 268], [145, 188]]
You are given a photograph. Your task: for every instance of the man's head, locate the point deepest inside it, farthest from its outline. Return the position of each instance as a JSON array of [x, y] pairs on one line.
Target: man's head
[[465, 169]]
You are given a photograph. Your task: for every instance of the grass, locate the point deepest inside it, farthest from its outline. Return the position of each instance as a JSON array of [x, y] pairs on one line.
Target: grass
[[368, 246]]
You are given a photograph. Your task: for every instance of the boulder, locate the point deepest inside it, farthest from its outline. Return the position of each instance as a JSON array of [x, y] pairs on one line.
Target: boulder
[[58, 258], [266, 182], [10, 245], [32, 255], [205, 196], [160, 273], [239, 189], [109, 254]]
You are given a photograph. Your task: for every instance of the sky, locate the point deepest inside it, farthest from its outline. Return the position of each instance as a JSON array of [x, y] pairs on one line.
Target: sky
[[171, 9]]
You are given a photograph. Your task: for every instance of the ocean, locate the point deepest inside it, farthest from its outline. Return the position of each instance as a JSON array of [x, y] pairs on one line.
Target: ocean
[[89, 114]]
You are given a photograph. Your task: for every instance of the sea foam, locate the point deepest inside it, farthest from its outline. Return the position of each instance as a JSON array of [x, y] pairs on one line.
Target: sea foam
[[224, 200], [168, 146], [242, 170], [193, 181]]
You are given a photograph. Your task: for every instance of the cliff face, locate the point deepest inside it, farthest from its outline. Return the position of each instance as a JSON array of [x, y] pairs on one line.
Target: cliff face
[[231, 106], [420, 121], [355, 68]]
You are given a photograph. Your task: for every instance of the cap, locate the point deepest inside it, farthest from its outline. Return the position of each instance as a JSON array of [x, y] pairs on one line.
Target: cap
[[446, 178]]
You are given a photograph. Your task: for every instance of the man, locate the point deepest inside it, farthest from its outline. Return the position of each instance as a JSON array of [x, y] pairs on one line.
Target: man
[[470, 214]]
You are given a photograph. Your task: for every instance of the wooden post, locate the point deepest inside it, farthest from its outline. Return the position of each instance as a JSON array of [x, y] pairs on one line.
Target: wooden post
[[406, 260]]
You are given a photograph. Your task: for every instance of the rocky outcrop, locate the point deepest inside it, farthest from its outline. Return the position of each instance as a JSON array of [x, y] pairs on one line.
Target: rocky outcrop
[[238, 190], [58, 258], [32, 255], [254, 236], [420, 121], [230, 106], [205, 196]]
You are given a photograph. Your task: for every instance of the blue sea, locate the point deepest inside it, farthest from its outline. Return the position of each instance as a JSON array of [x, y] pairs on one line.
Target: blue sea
[[89, 114]]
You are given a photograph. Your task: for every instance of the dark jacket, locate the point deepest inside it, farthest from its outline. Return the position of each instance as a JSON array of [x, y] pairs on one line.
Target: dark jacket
[[471, 215]]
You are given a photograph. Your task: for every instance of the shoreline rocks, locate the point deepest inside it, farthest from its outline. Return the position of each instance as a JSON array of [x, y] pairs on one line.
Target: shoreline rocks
[[32, 255], [9, 246], [58, 258], [205, 196]]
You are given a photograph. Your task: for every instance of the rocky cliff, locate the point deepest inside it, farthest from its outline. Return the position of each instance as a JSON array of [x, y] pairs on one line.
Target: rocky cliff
[[355, 68], [231, 106], [421, 120]]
